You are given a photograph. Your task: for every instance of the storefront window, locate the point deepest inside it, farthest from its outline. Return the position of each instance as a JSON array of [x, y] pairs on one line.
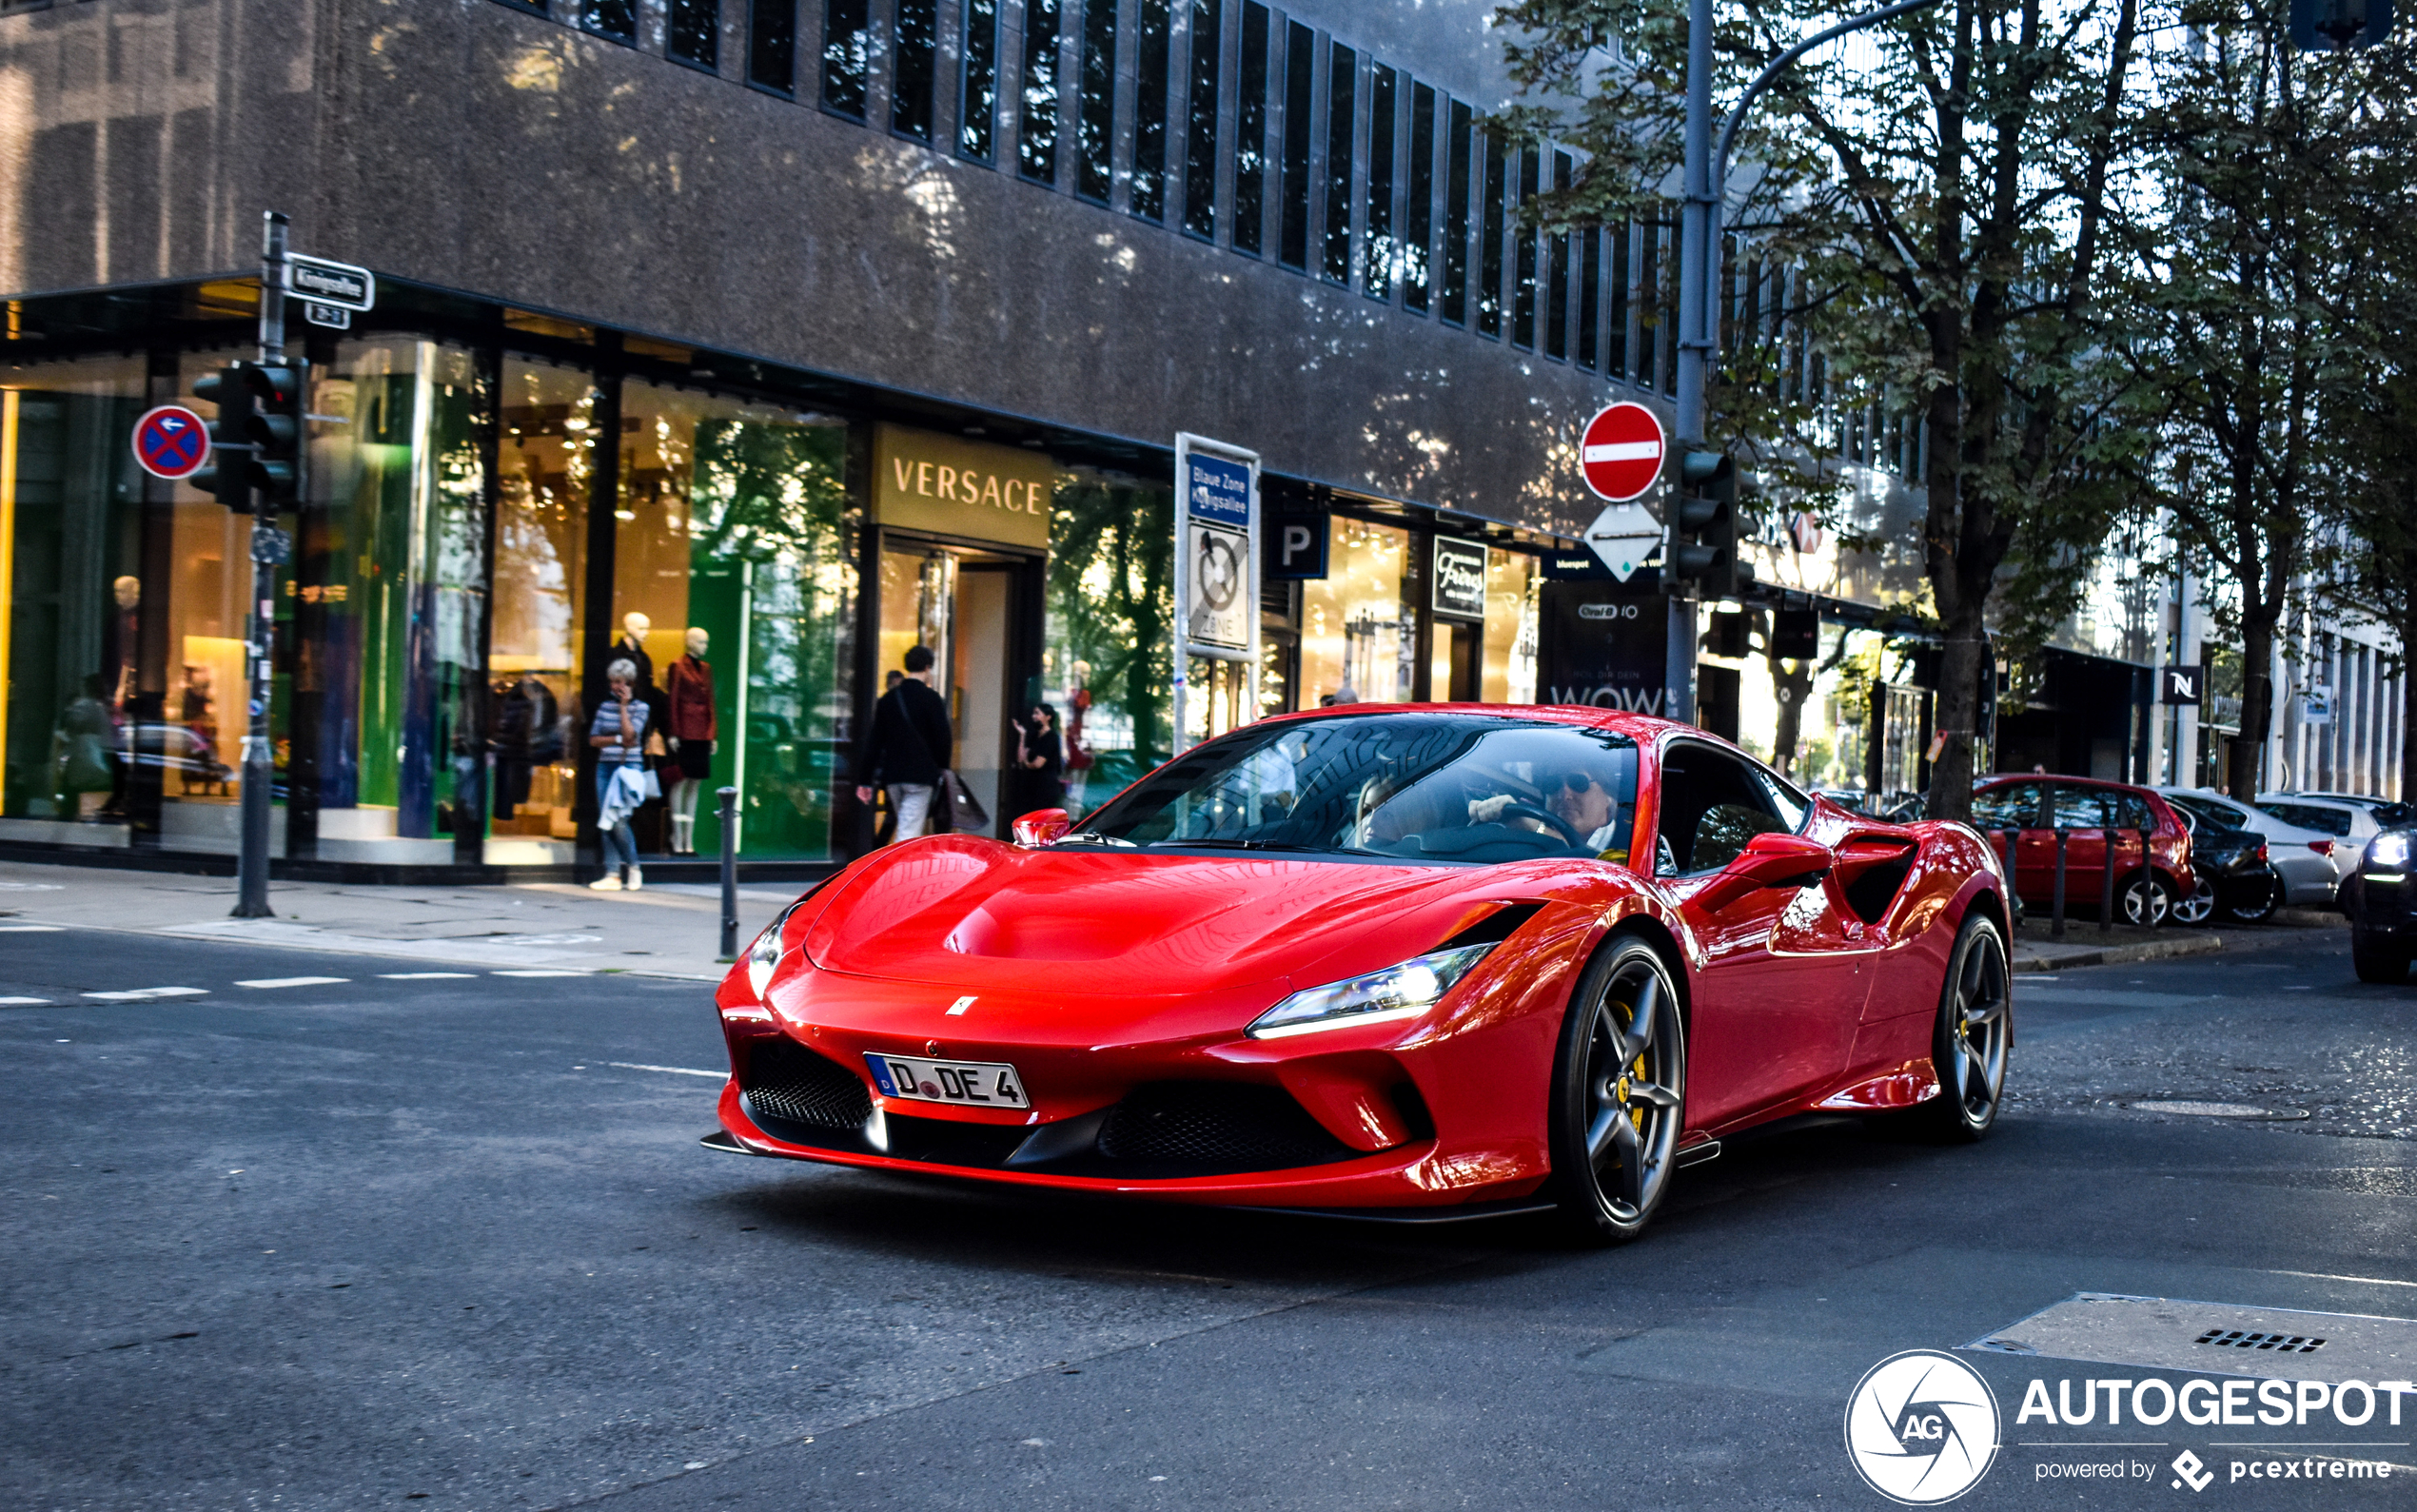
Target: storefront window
[[1359, 632], [545, 467], [1110, 611], [734, 574], [393, 587], [1508, 672], [71, 600]]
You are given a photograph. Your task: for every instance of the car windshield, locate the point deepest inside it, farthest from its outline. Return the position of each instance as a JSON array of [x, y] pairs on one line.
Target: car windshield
[[1425, 787], [2311, 816]]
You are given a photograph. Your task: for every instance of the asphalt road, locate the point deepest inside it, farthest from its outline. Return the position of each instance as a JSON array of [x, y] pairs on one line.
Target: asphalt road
[[451, 1241]]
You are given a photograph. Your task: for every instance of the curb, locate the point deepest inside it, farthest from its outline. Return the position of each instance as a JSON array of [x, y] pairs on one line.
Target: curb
[[2117, 955]]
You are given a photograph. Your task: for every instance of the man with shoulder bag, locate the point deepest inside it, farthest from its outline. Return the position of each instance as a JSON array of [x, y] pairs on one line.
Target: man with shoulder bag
[[906, 748]]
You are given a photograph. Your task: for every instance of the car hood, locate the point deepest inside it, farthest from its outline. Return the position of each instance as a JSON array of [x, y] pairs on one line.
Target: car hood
[[971, 913]]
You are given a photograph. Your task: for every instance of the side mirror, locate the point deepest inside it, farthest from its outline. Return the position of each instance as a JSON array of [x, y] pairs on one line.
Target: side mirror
[[1769, 860], [1042, 825]]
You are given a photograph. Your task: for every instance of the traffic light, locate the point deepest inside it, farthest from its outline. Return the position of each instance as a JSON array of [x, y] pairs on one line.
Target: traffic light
[[229, 473], [1706, 537], [277, 431]]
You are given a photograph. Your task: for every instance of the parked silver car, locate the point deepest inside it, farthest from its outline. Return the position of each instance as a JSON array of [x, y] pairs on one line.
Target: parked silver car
[[2301, 855]]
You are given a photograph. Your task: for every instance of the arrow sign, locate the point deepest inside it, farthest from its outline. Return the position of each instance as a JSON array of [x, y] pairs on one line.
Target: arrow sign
[[342, 284], [1623, 536], [171, 442], [1620, 453]]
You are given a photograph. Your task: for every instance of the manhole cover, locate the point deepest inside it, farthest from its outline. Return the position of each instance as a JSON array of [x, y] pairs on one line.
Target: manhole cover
[[2218, 1110]]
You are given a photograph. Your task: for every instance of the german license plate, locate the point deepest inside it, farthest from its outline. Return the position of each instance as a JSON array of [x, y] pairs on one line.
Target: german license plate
[[975, 1084]]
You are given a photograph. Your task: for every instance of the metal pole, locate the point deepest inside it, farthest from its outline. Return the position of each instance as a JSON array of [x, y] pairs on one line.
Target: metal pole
[[729, 811], [251, 864], [2056, 912], [2106, 882]]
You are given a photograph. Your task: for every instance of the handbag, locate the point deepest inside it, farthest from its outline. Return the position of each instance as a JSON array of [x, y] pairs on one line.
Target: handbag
[[652, 783], [965, 814]]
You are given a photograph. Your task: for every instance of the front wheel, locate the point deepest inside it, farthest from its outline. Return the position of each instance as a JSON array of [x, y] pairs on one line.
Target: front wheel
[[2257, 904], [1620, 1092], [2147, 900], [1974, 1031]]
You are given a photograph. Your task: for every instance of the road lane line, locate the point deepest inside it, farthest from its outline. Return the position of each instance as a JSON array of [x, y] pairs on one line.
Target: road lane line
[[424, 976], [141, 995], [30, 929], [676, 1071], [25, 1002], [294, 981], [538, 973]]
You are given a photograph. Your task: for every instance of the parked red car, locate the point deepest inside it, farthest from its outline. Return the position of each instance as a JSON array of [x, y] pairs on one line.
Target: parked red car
[[2036, 807]]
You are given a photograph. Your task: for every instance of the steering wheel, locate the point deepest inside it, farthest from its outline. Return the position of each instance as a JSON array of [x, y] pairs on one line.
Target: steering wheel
[[1528, 811]]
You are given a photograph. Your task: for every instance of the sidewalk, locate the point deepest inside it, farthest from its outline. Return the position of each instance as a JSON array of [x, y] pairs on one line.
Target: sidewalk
[[2084, 945], [668, 930]]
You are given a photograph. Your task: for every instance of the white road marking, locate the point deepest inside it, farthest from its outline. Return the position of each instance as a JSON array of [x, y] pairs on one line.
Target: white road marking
[[538, 973], [30, 929], [676, 1071], [294, 981], [137, 995], [24, 1002], [423, 976]]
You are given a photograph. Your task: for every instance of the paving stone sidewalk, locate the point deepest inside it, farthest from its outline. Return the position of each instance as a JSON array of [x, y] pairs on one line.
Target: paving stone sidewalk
[[671, 930]]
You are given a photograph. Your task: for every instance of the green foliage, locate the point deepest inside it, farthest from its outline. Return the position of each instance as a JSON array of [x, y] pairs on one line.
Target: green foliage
[[1112, 600]]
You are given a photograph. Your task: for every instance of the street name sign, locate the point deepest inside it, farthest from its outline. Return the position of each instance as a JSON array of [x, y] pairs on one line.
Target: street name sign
[[342, 284], [333, 316], [171, 442], [1623, 536], [1620, 453]]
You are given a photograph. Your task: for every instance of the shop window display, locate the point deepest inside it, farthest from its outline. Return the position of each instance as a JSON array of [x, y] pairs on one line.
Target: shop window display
[[545, 469], [1508, 671], [71, 603], [1111, 606], [734, 571], [1358, 629]]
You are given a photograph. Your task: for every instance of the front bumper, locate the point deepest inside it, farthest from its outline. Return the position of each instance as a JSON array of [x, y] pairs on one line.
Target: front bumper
[[2382, 911]]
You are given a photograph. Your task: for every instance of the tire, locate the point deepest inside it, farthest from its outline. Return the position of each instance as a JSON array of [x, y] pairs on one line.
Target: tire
[[2146, 900], [2198, 908], [2376, 963], [2258, 907], [1973, 1038], [1618, 1094]]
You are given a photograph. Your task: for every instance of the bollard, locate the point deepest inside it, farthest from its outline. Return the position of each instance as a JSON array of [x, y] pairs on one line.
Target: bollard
[[2105, 883], [2056, 912], [729, 812]]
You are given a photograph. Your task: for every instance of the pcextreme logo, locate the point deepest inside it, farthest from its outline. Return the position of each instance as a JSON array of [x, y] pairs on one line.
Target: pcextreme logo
[[2190, 1468], [1921, 1428]]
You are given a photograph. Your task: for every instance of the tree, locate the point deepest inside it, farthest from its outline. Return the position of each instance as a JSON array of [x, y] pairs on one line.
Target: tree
[[1945, 198], [2240, 282]]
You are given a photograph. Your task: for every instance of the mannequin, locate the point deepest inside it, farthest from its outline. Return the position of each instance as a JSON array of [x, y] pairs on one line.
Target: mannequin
[[691, 730], [633, 645], [124, 640]]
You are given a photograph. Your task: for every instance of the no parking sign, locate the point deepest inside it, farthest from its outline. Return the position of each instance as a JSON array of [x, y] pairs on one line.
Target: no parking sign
[[171, 442]]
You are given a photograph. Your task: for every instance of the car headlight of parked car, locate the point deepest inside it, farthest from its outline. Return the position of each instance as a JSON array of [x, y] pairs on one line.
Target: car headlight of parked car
[[1398, 992], [2387, 852]]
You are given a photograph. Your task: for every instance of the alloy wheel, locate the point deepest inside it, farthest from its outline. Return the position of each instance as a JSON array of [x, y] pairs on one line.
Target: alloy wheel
[[1975, 1027], [2199, 906], [1635, 1089], [2146, 901]]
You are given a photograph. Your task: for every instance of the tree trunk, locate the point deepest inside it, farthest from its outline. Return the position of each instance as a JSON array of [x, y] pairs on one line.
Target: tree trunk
[[2246, 774]]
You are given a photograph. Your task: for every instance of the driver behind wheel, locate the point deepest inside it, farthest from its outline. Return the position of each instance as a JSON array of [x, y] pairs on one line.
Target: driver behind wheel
[[1579, 798]]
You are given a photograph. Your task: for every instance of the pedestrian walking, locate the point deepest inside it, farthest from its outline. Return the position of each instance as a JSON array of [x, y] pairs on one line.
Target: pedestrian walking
[[618, 734], [908, 746]]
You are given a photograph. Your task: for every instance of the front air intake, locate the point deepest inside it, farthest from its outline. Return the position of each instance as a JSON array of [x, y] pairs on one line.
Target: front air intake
[[786, 1082], [1216, 1127]]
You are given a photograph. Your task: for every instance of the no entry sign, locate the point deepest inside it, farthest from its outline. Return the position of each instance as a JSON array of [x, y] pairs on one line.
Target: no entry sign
[[171, 442], [1621, 452]]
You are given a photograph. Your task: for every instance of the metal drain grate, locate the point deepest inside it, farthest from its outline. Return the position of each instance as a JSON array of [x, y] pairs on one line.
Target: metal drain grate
[[2278, 1343]]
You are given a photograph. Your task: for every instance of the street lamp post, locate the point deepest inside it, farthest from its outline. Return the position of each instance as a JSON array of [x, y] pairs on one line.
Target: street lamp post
[[1707, 173]]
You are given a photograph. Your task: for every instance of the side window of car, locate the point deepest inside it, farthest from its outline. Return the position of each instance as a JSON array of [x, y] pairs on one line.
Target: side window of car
[[2015, 805], [1712, 804], [2077, 808], [2136, 814]]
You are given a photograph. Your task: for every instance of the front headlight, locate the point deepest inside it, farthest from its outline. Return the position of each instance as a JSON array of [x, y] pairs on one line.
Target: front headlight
[[2387, 850], [764, 955], [1398, 992]]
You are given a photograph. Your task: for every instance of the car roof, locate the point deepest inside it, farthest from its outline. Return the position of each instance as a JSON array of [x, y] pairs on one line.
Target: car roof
[[1642, 728]]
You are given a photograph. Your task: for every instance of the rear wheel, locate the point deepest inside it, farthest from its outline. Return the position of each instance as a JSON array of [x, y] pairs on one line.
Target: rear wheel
[[2146, 900], [1619, 1089], [2376, 963], [2257, 902], [1974, 1031]]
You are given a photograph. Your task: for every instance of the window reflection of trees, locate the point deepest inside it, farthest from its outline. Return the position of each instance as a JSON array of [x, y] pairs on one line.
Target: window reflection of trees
[[1110, 603]]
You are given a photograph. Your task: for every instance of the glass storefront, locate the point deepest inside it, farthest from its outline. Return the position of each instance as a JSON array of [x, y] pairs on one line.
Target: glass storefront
[[1359, 627], [1106, 668]]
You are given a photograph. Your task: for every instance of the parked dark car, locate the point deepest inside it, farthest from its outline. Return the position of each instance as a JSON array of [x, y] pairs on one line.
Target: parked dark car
[[2237, 878], [2032, 809], [2381, 900]]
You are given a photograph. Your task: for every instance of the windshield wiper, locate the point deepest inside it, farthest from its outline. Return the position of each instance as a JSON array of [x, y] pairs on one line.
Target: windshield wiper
[[1092, 837], [1244, 845]]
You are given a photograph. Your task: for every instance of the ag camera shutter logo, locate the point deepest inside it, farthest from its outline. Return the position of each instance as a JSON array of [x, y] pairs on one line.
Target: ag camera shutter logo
[[1921, 1428]]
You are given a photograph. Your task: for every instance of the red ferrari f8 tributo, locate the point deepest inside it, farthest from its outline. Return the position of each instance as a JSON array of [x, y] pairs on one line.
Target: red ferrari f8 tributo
[[1419, 962]]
